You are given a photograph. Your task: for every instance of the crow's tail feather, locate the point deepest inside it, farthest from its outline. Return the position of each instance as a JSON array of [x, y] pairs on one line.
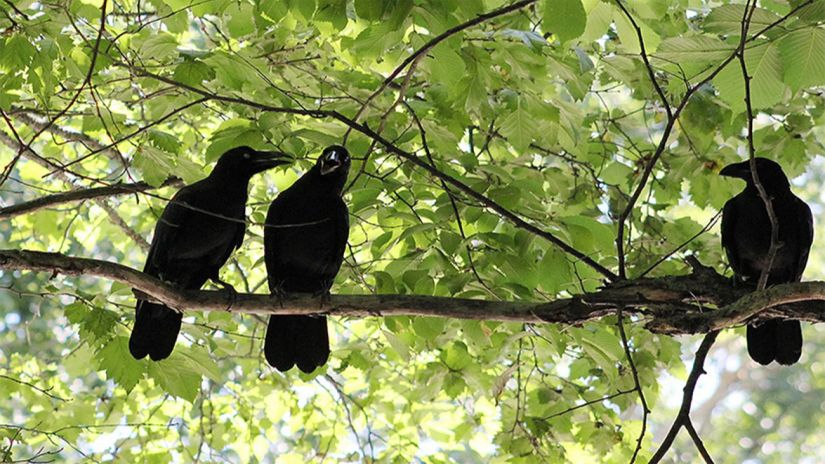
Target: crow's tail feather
[[775, 340], [155, 331], [788, 342], [297, 340]]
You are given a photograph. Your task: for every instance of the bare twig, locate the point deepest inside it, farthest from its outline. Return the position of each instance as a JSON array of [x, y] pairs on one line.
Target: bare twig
[[49, 201], [45, 391], [637, 386], [683, 417]]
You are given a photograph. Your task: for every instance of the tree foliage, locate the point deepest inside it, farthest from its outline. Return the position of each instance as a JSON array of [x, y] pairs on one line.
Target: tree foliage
[[512, 151]]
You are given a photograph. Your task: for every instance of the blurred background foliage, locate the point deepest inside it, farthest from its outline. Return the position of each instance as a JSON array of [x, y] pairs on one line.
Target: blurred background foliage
[[548, 110]]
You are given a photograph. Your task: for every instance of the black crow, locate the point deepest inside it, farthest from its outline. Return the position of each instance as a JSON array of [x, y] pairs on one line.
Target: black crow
[[746, 237], [304, 239], [196, 233]]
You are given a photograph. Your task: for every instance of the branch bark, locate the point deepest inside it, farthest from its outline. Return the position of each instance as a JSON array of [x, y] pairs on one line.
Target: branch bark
[[671, 305], [79, 195]]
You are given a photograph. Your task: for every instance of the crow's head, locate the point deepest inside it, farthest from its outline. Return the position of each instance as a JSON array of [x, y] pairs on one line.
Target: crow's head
[[770, 174], [334, 162], [244, 162]]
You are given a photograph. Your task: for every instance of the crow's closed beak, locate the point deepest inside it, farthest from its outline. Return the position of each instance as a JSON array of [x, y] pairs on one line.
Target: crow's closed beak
[[741, 170], [264, 160]]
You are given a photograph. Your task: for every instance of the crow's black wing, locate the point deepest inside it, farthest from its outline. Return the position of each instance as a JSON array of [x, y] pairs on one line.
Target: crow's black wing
[[806, 235], [196, 234], [729, 216]]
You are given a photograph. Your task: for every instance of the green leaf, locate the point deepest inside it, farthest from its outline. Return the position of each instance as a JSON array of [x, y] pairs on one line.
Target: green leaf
[[193, 73], [177, 375], [803, 57], [519, 127], [199, 360], [446, 65], [120, 366], [694, 50], [564, 18], [332, 11], [398, 345], [429, 327], [765, 68], [371, 10], [456, 356], [99, 323], [159, 46], [240, 19], [727, 19], [16, 53], [305, 8], [164, 141], [274, 10], [154, 164]]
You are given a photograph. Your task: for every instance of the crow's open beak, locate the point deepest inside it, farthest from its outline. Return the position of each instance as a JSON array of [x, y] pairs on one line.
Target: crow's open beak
[[330, 164], [740, 170], [269, 159]]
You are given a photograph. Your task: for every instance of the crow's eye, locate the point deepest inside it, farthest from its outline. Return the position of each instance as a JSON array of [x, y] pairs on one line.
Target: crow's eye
[[246, 156]]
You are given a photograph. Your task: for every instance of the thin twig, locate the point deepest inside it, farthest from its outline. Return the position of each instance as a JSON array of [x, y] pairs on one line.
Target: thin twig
[[432, 43], [766, 200], [49, 201], [687, 398], [637, 386], [86, 82]]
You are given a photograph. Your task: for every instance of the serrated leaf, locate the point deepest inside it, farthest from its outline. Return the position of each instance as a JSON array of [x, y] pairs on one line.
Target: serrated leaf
[[198, 359], [120, 366], [398, 345], [727, 19], [764, 67], [16, 52], [370, 10], [447, 65], [155, 165], [519, 127], [564, 18], [176, 376], [98, 324], [333, 11], [164, 141], [76, 312], [456, 356], [240, 21], [803, 57], [695, 50]]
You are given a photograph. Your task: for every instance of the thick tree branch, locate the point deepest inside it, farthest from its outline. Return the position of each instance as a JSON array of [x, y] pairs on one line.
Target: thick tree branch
[[670, 305], [79, 195]]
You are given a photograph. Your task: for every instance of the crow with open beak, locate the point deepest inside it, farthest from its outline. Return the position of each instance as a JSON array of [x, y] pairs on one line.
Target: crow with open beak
[[304, 240]]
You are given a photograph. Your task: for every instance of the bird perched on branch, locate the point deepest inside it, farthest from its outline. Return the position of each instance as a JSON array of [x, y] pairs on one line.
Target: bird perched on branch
[[196, 233], [304, 239], [746, 238]]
